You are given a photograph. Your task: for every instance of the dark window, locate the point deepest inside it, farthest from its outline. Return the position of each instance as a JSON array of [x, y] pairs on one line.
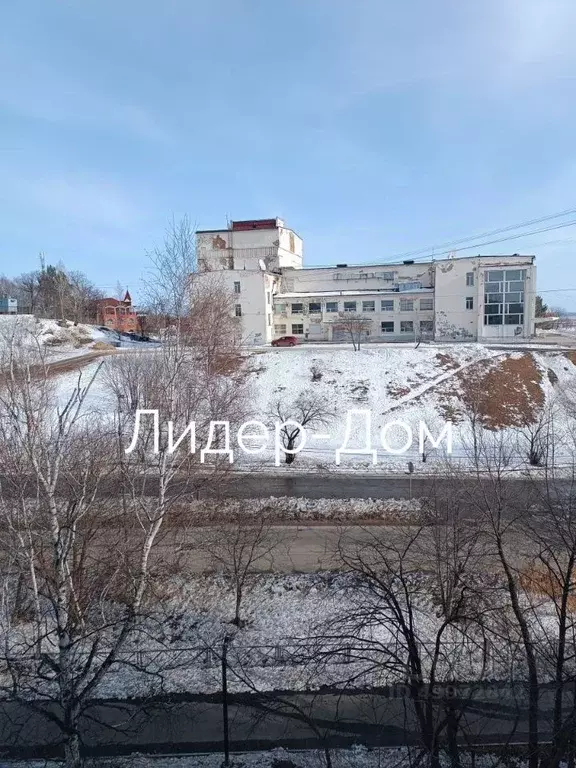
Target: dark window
[[387, 327], [297, 329], [469, 302], [514, 319], [315, 306], [238, 310], [426, 326], [349, 306], [387, 305], [406, 326], [331, 306], [493, 320], [297, 309], [368, 306]]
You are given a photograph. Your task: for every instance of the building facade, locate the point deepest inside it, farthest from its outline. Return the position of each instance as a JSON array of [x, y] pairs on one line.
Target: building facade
[[8, 305], [476, 298], [117, 314]]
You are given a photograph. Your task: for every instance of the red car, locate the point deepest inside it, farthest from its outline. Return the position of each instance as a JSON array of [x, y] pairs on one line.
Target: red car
[[285, 341]]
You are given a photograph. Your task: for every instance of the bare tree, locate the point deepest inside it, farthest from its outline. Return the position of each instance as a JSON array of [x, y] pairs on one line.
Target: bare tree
[[240, 547], [356, 326], [306, 410]]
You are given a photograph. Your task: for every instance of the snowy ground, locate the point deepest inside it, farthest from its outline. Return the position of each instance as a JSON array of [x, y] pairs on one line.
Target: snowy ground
[[356, 757], [60, 340], [383, 385]]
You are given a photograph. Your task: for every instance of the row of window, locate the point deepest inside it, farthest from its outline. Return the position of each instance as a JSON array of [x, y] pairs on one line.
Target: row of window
[[406, 326], [386, 305]]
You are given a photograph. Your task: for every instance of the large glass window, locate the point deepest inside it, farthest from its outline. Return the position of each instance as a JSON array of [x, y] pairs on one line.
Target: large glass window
[[412, 286], [504, 297], [426, 304], [406, 326], [368, 306], [387, 305], [387, 327], [349, 306], [406, 305]]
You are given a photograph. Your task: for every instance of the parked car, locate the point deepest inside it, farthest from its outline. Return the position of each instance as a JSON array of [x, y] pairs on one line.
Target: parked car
[[285, 341]]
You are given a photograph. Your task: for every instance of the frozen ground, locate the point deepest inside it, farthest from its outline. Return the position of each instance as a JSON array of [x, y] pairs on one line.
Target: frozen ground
[[356, 757], [383, 385], [59, 340]]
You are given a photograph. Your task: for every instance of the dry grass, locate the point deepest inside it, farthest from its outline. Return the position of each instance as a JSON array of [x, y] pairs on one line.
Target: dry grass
[[543, 584], [506, 393]]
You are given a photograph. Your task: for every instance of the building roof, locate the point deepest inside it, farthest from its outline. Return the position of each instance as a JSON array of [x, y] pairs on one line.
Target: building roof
[[388, 266], [359, 292]]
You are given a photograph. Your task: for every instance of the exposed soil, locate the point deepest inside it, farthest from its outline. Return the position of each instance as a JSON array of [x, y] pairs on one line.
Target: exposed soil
[[506, 393], [397, 391], [446, 362]]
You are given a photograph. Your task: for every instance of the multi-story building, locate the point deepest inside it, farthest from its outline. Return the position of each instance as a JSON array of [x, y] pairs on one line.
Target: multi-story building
[[117, 314], [475, 298]]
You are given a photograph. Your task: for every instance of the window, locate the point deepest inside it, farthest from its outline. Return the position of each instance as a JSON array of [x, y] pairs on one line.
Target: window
[[426, 326], [297, 329], [387, 275], [493, 309], [349, 306], [514, 319], [269, 319], [514, 309], [237, 286], [280, 330], [515, 274], [492, 287], [268, 298], [495, 276], [331, 306], [368, 306], [297, 309], [469, 278], [412, 286], [426, 304], [387, 305], [230, 262], [315, 306], [469, 302], [291, 240], [279, 308], [238, 310], [406, 326], [387, 327], [406, 305], [492, 319], [515, 285]]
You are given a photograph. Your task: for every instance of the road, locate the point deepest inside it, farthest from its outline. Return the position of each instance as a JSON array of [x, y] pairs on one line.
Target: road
[[296, 720]]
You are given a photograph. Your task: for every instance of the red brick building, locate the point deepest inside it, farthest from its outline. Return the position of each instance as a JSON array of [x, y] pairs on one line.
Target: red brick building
[[117, 314]]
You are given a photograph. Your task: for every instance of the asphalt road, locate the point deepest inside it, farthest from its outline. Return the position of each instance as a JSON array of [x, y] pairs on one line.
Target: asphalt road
[[311, 485], [295, 720]]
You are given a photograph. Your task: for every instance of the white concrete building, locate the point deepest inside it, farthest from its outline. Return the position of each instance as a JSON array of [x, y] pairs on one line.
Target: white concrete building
[[475, 298]]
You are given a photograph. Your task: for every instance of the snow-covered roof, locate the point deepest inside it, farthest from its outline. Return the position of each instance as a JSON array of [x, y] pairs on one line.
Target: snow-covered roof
[[363, 292]]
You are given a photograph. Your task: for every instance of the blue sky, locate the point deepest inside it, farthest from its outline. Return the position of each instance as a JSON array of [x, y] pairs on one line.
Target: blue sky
[[371, 127]]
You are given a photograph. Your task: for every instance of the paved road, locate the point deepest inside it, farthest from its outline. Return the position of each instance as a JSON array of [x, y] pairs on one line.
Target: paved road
[[243, 485], [303, 720]]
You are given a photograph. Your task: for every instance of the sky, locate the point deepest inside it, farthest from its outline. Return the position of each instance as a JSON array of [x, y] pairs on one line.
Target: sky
[[371, 127]]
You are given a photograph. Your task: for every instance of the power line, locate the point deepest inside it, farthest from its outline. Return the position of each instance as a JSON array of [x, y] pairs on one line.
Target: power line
[[489, 233]]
